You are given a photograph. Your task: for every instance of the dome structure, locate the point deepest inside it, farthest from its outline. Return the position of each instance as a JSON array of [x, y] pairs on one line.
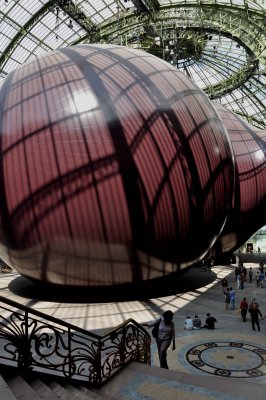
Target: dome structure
[[219, 44]]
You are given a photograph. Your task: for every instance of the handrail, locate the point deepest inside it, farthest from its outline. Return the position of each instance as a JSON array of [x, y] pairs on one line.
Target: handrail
[[32, 340], [47, 316]]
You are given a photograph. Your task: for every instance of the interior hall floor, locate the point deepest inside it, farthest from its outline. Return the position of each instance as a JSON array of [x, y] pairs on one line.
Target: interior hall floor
[[232, 350]]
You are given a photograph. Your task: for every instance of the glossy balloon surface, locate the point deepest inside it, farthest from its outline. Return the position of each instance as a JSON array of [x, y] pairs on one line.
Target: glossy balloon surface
[[115, 167], [248, 212]]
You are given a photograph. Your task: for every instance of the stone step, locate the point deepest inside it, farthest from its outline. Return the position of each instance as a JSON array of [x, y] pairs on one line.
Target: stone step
[[93, 394], [78, 393], [156, 383], [21, 389], [5, 391], [60, 390], [42, 390], [72, 391], [32, 386]]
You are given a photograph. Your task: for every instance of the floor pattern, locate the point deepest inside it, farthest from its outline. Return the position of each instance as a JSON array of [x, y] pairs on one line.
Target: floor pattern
[[218, 353], [228, 358], [153, 388]]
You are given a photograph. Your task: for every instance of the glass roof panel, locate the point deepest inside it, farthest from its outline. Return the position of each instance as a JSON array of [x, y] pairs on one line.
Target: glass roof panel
[[220, 65], [20, 14], [8, 30], [12, 64], [34, 5], [19, 53]]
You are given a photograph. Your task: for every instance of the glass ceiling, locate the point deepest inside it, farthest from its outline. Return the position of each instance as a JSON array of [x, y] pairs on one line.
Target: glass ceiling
[[220, 44]]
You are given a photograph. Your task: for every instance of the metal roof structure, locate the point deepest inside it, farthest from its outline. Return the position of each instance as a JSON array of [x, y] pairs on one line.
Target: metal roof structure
[[219, 44]]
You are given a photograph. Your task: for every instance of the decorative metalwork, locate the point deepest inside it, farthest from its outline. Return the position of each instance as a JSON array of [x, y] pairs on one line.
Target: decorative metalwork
[[32, 340]]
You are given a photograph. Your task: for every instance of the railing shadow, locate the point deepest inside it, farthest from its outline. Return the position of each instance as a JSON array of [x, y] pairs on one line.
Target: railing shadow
[[33, 341]]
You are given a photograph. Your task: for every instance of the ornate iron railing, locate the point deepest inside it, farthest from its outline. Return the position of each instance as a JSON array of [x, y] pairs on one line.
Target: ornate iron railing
[[38, 342]]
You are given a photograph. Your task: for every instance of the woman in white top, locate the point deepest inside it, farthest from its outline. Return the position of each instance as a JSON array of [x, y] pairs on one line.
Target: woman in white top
[[189, 323], [166, 334]]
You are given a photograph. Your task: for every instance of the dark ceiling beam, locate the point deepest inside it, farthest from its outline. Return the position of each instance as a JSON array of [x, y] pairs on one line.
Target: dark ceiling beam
[[251, 32], [76, 14], [152, 4], [140, 6]]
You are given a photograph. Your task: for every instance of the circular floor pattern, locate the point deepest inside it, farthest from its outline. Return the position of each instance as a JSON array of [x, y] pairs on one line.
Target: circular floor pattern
[[228, 358]]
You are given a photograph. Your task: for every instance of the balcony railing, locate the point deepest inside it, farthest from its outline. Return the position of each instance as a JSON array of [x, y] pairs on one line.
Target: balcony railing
[[31, 340]]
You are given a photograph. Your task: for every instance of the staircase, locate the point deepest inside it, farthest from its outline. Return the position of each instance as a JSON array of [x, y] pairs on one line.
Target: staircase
[[18, 386], [135, 382], [42, 357]]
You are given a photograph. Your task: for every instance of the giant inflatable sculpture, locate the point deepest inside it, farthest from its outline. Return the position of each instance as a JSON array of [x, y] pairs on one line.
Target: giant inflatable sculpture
[[248, 213], [116, 168]]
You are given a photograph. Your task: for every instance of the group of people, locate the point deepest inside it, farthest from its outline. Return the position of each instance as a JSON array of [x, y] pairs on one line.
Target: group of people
[[195, 323], [165, 333], [253, 309], [260, 276], [207, 263], [230, 298], [243, 275]]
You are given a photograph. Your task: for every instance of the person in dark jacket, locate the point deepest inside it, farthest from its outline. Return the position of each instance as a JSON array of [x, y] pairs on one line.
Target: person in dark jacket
[[254, 313], [209, 322], [244, 309]]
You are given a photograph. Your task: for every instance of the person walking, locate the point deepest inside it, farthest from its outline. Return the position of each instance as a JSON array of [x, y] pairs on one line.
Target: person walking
[[243, 309], [166, 334], [254, 313], [253, 301]]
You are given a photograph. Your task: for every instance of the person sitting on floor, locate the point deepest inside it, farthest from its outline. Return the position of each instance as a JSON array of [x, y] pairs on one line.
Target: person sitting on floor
[[188, 323], [209, 323], [197, 322]]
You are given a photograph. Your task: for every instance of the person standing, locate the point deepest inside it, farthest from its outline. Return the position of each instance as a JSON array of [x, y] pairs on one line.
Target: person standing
[[224, 283], [227, 298], [238, 281], [244, 308], [232, 295], [261, 279], [242, 280], [254, 313], [166, 334]]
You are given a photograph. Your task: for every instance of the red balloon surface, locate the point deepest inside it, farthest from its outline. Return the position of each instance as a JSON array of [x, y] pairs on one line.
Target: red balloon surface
[[115, 168]]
